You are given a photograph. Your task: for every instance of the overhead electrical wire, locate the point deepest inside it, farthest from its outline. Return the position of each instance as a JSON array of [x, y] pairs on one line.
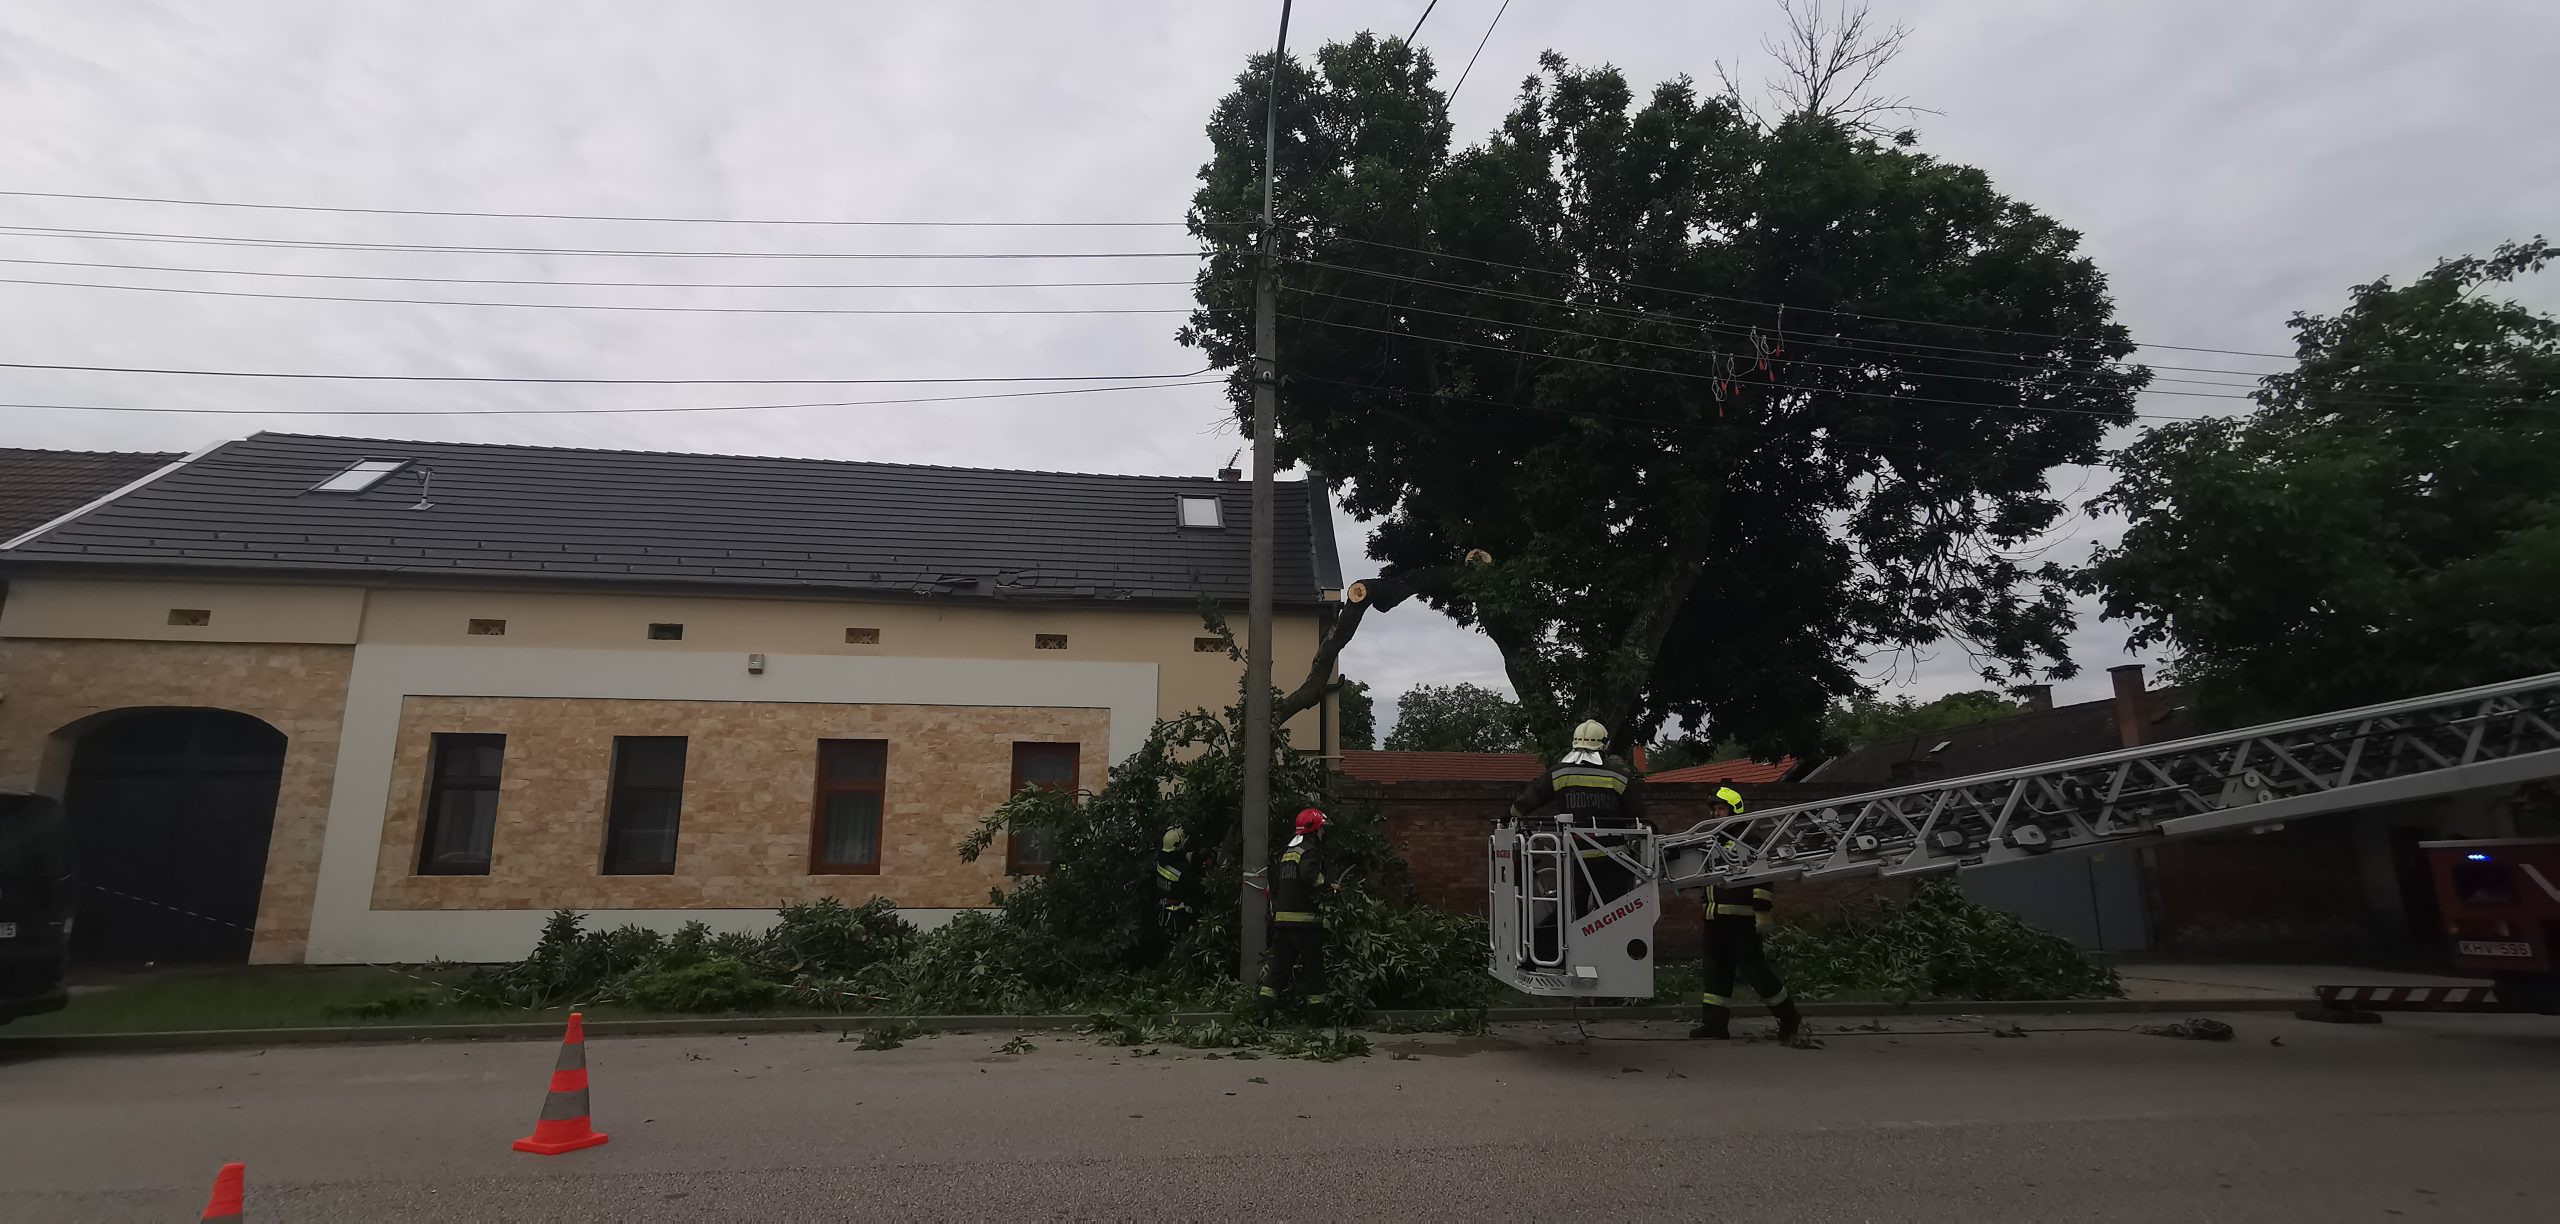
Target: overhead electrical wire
[[1784, 386], [2362, 398], [595, 284], [610, 306], [1471, 60], [1998, 356], [617, 382], [552, 216], [1846, 314], [463, 412], [300, 244], [1417, 22]]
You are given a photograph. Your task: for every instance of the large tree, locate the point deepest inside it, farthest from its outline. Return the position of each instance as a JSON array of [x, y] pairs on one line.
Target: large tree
[[1457, 718], [1549, 345], [2386, 523]]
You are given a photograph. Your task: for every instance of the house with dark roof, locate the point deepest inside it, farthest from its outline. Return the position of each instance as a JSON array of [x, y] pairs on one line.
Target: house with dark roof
[[338, 699]]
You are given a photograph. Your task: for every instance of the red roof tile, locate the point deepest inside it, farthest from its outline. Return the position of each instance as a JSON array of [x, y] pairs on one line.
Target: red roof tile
[[1441, 766], [38, 486], [1739, 769]]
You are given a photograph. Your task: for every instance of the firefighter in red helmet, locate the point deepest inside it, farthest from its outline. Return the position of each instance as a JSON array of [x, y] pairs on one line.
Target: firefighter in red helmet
[[1295, 962]]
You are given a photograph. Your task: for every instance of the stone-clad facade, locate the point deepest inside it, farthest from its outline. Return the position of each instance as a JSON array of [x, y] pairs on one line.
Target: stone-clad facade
[[55, 688], [749, 800]]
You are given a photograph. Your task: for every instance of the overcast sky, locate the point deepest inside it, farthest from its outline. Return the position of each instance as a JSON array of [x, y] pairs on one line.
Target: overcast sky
[[2228, 164]]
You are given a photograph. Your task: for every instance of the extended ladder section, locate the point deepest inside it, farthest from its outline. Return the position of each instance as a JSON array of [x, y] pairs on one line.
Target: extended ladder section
[[1552, 936], [2255, 777]]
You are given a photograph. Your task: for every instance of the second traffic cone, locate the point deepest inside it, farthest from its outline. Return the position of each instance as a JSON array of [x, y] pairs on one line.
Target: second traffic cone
[[227, 1193], [564, 1126]]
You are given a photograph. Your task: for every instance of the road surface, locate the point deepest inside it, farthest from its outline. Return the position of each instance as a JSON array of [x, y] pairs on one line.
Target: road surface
[[2448, 1118]]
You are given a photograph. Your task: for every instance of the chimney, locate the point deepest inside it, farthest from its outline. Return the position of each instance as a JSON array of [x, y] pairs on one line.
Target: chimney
[[2133, 710], [1228, 473], [2039, 697], [1638, 752]]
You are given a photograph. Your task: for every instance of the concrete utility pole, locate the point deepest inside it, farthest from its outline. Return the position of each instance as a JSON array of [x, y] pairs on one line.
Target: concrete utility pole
[[1257, 642]]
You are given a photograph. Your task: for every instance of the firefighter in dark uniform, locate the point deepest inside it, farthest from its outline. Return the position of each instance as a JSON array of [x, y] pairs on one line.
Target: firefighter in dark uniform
[[1177, 884], [1736, 916], [1597, 793], [1295, 962]]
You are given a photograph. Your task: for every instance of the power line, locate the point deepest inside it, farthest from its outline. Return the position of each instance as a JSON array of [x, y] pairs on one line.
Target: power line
[[458, 412], [1417, 22], [1846, 314], [617, 382], [1883, 395], [2369, 399], [1471, 60], [1694, 351], [760, 310], [42, 231], [1996, 357], [550, 216], [598, 284]]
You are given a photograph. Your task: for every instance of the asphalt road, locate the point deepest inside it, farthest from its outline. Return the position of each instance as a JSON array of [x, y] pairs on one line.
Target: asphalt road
[[2452, 1118]]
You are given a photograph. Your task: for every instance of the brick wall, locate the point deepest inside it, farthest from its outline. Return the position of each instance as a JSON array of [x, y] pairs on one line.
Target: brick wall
[[749, 800], [1440, 828], [299, 690]]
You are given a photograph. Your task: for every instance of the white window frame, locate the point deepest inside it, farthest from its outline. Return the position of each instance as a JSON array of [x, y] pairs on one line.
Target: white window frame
[[1183, 502], [378, 469]]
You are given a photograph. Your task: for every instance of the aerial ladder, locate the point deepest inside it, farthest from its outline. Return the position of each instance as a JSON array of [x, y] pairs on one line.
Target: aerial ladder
[[1553, 935]]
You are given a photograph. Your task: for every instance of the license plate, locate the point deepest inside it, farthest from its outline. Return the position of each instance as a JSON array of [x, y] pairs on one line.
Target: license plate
[[8, 930], [2482, 947]]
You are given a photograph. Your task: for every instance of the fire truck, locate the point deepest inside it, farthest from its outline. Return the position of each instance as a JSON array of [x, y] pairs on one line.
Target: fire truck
[[1554, 935]]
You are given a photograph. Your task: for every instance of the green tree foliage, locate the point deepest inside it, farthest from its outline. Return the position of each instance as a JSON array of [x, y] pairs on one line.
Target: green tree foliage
[[1457, 718], [1359, 716], [2386, 522], [1543, 346], [1864, 719]]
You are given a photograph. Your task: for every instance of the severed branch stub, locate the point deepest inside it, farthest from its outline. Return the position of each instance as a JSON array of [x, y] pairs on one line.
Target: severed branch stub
[[1379, 594]]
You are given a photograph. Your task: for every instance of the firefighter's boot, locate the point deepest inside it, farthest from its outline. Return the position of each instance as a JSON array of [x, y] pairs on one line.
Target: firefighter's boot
[[1790, 1020], [1715, 1023]]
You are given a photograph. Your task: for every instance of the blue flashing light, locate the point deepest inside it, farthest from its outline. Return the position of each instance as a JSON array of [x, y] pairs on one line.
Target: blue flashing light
[[2477, 858]]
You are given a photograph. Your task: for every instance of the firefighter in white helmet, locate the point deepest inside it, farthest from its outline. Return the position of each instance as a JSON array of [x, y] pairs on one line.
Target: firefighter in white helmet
[[1598, 792]]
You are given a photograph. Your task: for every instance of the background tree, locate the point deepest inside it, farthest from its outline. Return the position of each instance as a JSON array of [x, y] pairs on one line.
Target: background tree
[[1359, 716], [1457, 718], [1549, 346], [2386, 523], [1864, 719]]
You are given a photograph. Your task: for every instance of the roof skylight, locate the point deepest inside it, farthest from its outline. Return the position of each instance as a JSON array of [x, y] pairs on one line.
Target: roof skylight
[[364, 475], [1201, 512]]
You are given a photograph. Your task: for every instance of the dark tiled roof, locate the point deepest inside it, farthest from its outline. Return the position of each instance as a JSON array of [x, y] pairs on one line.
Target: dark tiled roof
[[1441, 766], [38, 486], [1740, 769], [2058, 734], [643, 519]]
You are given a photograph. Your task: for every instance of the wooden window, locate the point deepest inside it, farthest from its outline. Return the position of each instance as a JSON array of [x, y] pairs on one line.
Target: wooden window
[[666, 633], [1049, 641], [645, 805], [861, 637], [462, 804], [1047, 767], [845, 839], [190, 616], [488, 628]]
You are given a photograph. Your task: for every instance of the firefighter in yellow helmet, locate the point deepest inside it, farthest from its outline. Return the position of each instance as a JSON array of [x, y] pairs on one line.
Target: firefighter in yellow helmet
[[1600, 793], [1736, 915]]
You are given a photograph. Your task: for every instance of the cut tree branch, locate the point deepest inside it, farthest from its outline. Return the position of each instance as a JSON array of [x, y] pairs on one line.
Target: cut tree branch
[[1371, 594]]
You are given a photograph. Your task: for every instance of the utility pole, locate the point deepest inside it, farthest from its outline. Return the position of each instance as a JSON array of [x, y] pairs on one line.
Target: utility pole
[[1257, 642]]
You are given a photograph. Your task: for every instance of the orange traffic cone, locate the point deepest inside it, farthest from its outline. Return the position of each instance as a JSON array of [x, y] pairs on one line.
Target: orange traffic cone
[[563, 1126], [227, 1186]]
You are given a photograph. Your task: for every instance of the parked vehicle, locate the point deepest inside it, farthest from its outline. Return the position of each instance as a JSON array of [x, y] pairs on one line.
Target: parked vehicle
[[35, 904]]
